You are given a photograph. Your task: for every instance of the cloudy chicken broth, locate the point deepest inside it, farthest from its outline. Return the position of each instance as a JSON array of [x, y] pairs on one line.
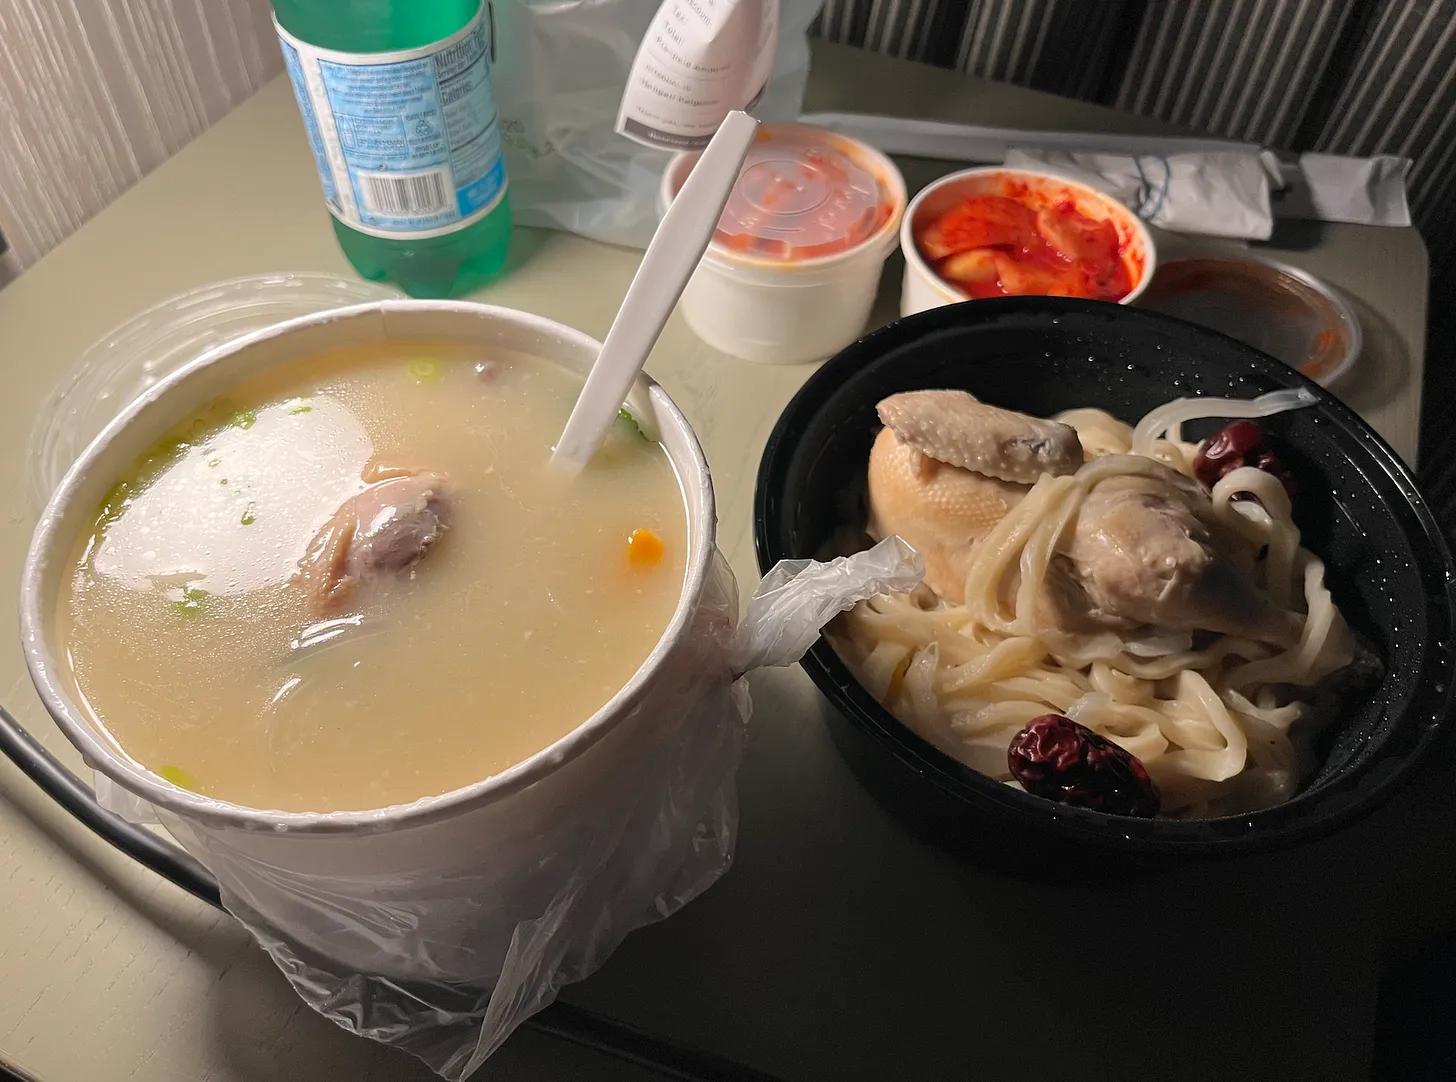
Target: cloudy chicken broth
[[358, 582]]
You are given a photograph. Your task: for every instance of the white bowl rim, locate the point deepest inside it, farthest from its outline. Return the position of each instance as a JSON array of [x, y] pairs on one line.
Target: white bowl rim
[[914, 261], [136, 779]]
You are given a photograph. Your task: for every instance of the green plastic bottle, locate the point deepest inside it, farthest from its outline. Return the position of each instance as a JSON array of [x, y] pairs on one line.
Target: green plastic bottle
[[396, 99]]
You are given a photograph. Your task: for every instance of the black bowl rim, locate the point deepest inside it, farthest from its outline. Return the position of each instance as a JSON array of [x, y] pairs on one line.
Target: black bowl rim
[[1139, 838]]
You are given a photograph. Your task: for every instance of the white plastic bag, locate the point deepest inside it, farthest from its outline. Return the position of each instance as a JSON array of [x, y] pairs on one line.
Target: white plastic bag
[[798, 597], [445, 964], [560, 69], [697, 62]]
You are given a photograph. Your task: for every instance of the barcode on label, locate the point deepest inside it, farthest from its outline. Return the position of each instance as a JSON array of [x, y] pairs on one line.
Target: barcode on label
[[394, 196]]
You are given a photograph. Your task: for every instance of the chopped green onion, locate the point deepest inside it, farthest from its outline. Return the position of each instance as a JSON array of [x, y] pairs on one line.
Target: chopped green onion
[[244, 419], [250, 515], [623, 415], [426, 370], [193, 601], [300, 406], [178, 777], [167, 451], [113, 505]]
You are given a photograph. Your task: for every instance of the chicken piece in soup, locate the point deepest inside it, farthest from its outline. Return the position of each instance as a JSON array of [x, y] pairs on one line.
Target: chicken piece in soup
[[358, 582]]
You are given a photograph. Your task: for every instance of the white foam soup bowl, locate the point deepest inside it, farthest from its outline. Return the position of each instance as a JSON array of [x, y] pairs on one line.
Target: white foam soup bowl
[[503, 830], [923, 288]]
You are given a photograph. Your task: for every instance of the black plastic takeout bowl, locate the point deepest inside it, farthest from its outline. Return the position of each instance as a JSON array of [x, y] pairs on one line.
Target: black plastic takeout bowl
[[1388, 566]]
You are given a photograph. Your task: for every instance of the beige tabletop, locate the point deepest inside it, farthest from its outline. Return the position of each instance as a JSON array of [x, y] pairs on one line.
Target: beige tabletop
[[838, 947]]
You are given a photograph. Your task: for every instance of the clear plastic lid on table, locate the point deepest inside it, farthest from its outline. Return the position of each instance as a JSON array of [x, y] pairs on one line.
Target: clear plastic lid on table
[[804, 193], [155, 343]]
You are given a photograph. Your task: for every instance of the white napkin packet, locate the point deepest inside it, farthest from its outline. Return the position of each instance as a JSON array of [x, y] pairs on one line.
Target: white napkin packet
[[1220, 194], [1188, 184]]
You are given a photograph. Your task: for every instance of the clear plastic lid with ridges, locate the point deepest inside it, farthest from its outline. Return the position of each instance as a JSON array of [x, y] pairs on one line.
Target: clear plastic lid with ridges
[[804, 193]]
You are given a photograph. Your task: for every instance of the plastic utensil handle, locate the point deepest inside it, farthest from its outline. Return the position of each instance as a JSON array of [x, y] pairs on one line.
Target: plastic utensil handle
[[675, 251], [943, 141]]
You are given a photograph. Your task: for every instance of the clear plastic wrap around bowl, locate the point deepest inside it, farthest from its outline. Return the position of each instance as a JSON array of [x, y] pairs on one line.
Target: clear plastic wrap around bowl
[[438, 926], [154, 343], [463, 954]]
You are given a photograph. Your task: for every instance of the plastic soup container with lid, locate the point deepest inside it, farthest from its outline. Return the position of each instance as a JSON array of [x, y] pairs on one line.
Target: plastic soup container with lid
[[792, 271]]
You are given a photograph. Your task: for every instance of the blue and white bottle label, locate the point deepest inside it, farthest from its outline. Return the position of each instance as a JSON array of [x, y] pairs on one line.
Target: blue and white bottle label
[[407, 143]]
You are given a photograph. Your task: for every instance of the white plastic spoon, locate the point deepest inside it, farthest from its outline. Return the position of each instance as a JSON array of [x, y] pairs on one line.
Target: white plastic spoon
[[669, 262]]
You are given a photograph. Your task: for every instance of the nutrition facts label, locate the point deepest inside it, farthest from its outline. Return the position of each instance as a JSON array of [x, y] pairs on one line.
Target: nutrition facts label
[[407, 143]]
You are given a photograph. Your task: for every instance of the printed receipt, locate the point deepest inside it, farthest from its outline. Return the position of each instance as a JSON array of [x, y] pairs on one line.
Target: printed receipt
[[698, 61]]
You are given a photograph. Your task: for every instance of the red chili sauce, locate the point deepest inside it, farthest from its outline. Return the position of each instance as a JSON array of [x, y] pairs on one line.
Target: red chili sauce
[[994, 246]]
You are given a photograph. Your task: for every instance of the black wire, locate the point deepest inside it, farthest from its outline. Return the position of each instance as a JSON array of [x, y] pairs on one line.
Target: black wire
[[71, 793]]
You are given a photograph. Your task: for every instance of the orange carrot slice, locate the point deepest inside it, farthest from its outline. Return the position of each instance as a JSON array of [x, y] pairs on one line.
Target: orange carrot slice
[[644, 549]]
